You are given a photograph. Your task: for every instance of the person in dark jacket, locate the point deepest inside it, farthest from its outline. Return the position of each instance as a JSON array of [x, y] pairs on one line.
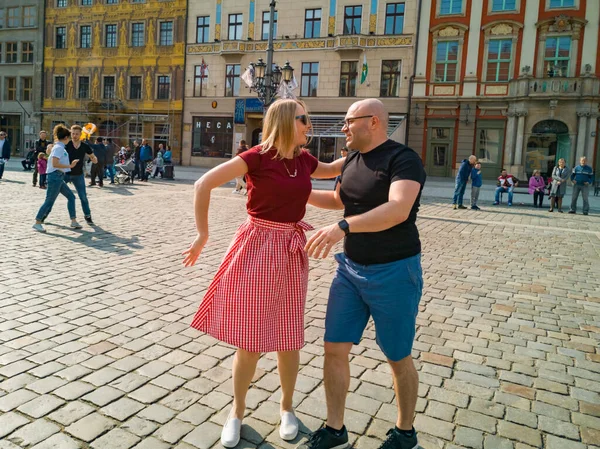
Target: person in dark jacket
[[40, 147], [145, 157], [476, 183], [462, 177], [582, 178], [136, 158], [28, 162], [97, 171], [4, 152]]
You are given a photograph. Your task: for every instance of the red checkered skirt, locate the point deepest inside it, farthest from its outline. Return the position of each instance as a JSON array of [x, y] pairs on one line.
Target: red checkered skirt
[[256, 300]]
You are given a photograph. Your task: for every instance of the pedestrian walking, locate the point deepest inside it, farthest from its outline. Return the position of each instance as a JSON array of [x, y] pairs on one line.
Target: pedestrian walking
[[145, 159], [462, 177], [159, 164], [77, 150], [476, 183], [4, 152], [111, 151], [560, 175], [379, 273], [42, 166], [58, 166], [40, 147], [582, 178], [136, 158], [262, 309], [537, 184], [100, 151], [240, 182]]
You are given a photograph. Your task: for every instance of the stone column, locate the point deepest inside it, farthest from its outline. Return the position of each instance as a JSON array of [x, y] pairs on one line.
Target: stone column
[[589, 152], [509, 144], [518, 162], [581, 134]]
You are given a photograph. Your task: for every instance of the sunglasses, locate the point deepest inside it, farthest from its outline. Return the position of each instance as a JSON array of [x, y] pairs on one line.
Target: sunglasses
[[351, 120], [303, 118]]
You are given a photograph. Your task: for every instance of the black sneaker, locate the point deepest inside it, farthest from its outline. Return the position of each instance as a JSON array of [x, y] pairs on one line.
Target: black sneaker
[[460, 206], [397, 440], [89, 220], [324, 439]]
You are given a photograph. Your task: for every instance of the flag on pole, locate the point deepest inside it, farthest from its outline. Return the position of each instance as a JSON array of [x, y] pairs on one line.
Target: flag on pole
[[204, 69], [365, 69]]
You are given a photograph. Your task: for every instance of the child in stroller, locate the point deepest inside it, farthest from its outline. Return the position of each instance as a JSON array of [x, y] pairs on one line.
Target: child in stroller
[[125, 172]]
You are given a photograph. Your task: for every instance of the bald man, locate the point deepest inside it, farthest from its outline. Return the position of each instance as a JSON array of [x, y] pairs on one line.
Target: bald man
[[462, 177], [379, 272]]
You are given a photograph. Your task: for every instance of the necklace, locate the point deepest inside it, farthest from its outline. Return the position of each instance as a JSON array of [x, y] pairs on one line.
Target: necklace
[[288, 172]]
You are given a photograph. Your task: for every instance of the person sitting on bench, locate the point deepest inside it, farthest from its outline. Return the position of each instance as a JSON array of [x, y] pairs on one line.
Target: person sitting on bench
[[506, 183]]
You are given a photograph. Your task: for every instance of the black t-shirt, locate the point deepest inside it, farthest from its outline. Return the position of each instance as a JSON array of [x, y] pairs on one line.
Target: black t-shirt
[[365, 185], [78, 153], [40, 146]]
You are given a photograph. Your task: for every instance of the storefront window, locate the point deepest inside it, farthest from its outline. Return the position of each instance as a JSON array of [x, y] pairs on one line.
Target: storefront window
[[212, 136], [489, 146]]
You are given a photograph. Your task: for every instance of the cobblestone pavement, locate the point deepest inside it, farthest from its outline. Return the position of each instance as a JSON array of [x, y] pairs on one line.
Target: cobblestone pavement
[[96, 350]]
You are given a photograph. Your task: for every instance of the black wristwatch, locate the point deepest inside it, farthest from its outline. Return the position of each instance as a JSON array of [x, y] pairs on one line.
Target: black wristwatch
[[344, 226]]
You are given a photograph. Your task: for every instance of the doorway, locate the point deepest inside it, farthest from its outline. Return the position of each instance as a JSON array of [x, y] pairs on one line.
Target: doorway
[[439, 151], [11, 124], [549, 142]]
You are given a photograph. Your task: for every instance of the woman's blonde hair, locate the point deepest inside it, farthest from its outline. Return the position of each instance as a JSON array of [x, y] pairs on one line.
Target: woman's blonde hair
[[535, 171], [279, 129]]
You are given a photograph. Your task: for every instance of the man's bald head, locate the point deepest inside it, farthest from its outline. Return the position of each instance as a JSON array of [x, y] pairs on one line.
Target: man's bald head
[[370, 106], [366, 125]]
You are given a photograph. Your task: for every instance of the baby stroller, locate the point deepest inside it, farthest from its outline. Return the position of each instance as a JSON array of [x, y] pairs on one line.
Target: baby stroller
[[125, 172]]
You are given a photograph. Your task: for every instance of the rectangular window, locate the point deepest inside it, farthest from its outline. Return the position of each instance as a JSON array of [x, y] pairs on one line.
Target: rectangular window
[[557, 56], [135, 131], [1, 18], [138, 38], [390, 78], [61, 37], [164, 87], [450, 7], [110, 36], [394, 18], [310, 79], [232, 80], [14, 17], [84, 87], [135, 87], [352, 19], [11, 52], [26, 89], [109, 87], [200, 81], [312, 23], [499, 57], [27, 52], [235, 27], [348, 77], [504, 5], [212, 136], [265, 25], [59, 87], [562, 3], [166, 33], [85, 36], [86, 2], [202, 29], [11, 89], [112, 2], [446, 62], [29, 16], [61, 3]]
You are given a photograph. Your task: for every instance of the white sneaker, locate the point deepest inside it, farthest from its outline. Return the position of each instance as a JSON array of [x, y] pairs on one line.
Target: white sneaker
[[288, 429], [230, 435], [75, 225], [38, 227], [235, 191]]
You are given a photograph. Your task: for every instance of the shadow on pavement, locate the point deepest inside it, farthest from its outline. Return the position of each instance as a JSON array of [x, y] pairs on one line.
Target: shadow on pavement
[[99, 239], [10, 181]]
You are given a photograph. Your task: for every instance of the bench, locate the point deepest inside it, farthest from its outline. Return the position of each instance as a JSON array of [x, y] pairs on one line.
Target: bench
[[521, 188]]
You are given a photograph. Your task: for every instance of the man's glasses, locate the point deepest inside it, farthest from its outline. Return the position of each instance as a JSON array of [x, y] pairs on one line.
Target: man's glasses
[[303, 118], [351, 120]]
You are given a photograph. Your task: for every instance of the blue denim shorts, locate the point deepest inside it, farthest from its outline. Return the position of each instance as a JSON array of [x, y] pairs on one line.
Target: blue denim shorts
[[389, 292]]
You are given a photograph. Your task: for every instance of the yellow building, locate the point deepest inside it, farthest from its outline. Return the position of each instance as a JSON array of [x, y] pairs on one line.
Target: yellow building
[[118, 64]]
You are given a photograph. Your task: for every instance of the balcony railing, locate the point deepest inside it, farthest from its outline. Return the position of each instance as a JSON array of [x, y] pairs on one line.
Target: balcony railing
[[554, 87]]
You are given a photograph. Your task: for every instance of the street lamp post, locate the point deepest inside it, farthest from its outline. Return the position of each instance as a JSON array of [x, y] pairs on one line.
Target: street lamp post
[[263, 78]]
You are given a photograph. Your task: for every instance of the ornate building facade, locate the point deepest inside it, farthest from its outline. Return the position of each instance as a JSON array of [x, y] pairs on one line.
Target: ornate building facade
[[118, 64], [514, 82], [21, 57], [325, 42]]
